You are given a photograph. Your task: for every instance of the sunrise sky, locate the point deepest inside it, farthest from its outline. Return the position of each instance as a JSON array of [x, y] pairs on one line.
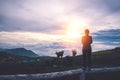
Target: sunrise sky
[[47, 26]]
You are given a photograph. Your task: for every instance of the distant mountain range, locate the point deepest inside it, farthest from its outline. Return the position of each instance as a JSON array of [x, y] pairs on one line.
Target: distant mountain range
[[20, 52]]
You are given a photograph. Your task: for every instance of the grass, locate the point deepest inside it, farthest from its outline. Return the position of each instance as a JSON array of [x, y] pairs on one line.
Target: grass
[[102, 52], [105, 58]]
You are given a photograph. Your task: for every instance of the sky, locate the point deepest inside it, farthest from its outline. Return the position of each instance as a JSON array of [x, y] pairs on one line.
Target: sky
[[47, 26]]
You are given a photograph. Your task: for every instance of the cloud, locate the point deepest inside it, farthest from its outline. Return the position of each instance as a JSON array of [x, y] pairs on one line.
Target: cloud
[[22, 17], [28, 37], [48, 48], [38, 25], [105, 39], [44, 15], [101, 46], [113, 5], [10, 46], [42, 49], [108, 37]]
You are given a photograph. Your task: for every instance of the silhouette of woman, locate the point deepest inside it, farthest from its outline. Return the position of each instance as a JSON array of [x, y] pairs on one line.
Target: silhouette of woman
[[86, 50]]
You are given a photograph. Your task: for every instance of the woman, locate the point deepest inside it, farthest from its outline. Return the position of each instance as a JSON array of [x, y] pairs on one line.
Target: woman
[[86, 50]]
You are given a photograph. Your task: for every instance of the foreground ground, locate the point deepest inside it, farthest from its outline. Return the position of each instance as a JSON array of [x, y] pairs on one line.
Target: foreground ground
[[106, 58]]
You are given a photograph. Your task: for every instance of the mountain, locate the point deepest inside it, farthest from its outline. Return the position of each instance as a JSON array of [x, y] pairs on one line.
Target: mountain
[[20, 52], [11, 58]]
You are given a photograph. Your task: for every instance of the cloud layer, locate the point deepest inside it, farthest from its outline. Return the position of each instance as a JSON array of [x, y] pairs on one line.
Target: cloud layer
[[46, 16], [41, 25]]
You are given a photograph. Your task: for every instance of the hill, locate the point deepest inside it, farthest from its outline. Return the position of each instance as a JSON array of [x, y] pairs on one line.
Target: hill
[[20, 52], [10, 58], [104, 58]]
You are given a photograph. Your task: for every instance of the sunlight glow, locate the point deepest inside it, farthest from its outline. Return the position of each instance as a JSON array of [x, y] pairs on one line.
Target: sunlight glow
[[74, 28]]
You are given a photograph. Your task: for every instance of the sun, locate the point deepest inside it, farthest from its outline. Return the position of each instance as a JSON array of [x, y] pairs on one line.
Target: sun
[[74, 28]]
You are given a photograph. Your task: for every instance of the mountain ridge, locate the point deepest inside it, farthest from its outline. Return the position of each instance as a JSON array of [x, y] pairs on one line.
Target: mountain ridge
[[20, 52]]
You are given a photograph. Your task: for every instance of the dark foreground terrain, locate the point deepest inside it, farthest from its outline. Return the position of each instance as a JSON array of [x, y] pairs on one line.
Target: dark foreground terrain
[[24, 65], [12, 64]]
